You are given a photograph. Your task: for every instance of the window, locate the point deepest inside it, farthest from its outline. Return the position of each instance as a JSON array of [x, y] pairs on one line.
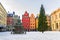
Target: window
[[31, 26], [59, 15], [56, 16], [57, 25]]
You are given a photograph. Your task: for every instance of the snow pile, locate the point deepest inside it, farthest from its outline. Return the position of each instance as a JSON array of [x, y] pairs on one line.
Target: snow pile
[[30, 36]]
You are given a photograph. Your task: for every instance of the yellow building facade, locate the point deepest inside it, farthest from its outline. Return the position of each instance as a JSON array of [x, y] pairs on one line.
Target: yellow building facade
[[55, 20], [32, 22], [36, 22], [3, 16]]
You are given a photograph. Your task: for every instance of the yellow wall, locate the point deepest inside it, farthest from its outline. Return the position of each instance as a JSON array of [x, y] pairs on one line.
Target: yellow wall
[[36, 23], [55, 20], [3, 15], [32, 22]]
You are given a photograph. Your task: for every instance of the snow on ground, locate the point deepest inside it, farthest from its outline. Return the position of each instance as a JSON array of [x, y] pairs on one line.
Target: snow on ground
[[31, 36]]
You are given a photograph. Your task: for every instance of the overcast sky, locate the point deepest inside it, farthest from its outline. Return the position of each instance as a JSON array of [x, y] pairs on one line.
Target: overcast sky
[[32, 6]]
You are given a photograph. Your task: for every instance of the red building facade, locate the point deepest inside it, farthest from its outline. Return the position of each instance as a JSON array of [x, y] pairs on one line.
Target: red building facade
[[9, 19], [26, 21]]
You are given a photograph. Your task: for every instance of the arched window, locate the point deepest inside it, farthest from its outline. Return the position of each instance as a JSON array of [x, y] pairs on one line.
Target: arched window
[[57, 25]]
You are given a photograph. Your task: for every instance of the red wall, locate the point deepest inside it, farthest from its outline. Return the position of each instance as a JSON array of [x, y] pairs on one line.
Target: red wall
[[9, 21], [26, 21]]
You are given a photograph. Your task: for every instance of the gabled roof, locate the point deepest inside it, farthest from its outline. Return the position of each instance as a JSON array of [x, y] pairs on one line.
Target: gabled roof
[[9, 15], [26, 13], [55, 11], [32, 15]]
